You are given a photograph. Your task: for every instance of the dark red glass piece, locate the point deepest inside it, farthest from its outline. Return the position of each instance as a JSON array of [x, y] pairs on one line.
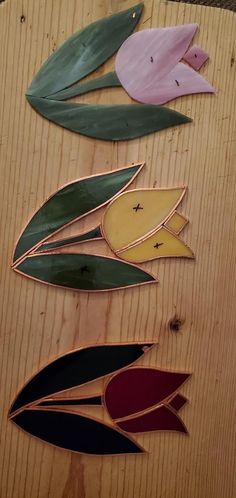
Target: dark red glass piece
[[159, 419], [177, 402], [137, 389]]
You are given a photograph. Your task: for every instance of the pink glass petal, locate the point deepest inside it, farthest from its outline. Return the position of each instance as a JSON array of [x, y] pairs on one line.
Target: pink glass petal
[[196, 57], [149, 55], [182, 80], [136, 389], [160, 419]]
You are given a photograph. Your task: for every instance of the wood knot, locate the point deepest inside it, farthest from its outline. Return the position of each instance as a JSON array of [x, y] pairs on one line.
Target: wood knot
[[175, 324], [22, 19]]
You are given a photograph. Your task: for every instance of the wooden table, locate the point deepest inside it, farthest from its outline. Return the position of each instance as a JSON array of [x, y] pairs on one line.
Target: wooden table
[[38, 322]]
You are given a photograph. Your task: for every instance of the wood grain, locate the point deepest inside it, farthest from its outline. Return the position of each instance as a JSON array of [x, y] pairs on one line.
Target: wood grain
[[39, 322]]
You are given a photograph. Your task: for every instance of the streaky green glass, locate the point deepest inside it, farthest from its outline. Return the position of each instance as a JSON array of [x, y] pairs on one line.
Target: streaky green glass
[[77, 368], [106, 81], [83, 271], [95, 233], [75, 432], [70, 203], [84, 52], [108, 122]]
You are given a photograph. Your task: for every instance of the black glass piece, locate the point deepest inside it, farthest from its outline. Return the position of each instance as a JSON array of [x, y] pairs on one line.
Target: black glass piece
[[75, 432], [76, 368], [95, 400]]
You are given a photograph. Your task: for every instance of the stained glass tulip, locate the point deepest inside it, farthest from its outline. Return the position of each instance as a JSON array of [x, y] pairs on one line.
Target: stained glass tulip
[[149, 68], [141, 225], [146, 399]]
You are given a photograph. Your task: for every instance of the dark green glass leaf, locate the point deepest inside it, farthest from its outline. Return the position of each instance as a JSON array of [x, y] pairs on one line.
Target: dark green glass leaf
[[77, 368], [109, 122], [106, 81], [75, 432], [84, 52], [70, 203], [95, 233], [83, 271]]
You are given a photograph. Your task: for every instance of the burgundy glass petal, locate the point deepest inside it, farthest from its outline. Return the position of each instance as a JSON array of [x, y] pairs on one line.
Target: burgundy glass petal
[[160, 419], [177, 402], [137, 389], [149, 55], [196, 57]]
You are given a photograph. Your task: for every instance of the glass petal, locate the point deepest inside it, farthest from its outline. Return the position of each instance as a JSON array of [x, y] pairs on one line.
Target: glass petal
[[181, 80], [196, 57], [134, 214], [137, 389], [162, 244], [160, 419], [177, 402], [149, 55], [176, 222]]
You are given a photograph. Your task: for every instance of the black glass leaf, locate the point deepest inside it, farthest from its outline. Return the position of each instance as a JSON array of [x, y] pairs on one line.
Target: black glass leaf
[[72, 202], [77, 368], [109, 122], [85, 272], [84, 52], [75, 432]]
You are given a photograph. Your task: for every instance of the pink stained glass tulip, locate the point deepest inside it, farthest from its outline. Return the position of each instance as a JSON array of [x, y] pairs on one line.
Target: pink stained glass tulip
[[148, 67]]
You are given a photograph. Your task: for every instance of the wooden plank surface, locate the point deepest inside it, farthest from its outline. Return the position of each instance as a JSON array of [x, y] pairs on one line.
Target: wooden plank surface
[[39, 322]]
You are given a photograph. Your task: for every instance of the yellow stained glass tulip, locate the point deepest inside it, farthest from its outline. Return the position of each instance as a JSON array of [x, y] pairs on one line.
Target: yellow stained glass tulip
[[141, 225]]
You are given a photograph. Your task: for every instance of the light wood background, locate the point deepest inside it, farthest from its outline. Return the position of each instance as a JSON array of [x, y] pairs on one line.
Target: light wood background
[[39, 322]]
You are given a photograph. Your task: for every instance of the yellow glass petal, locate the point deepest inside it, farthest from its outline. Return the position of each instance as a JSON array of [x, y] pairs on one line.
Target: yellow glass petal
[[162, 244], [176, 222], [134, 214]]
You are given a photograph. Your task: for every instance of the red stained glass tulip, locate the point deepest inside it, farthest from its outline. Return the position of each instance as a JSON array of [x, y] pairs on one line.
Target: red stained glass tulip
[[137, 389]]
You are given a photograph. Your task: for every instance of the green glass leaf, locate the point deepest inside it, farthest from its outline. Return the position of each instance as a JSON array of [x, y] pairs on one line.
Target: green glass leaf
[[106, 81], [78, 368], [75, 432], [95, 233], [83, 271], [84, 52], [72, 202], [108, 122]]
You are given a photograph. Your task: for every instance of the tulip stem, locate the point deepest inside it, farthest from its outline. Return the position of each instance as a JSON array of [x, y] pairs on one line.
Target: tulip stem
[[105, 81], [94, 234], [94, 400]]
